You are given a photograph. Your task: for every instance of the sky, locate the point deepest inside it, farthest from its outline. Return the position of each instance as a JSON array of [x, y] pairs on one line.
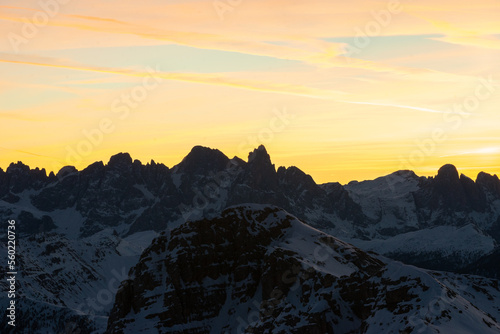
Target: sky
[[343, 90]]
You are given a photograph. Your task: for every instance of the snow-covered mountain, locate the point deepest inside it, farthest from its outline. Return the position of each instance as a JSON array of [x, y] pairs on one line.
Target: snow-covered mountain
[[257, 269], [79, 232], [447, 222]]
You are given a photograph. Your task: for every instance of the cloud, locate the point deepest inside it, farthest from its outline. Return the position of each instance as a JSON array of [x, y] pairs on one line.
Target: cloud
[[299, 48], [428, 110], [456, 32], [298, 43], [485, 42], [479, 151], [202, 78]]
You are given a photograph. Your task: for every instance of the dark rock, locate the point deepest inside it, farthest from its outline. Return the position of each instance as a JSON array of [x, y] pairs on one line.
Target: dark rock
[[490, 183], [120, 161], [66, 171], [202, 160], [448, 193], [476, 198], [200, 265], [28, 224], [261, 172]]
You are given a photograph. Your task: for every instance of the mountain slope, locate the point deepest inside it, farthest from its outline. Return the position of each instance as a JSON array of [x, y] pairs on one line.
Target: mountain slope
[[447, 222], [257, 269]]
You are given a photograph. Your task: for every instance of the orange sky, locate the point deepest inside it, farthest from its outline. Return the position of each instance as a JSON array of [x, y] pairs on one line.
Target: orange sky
[[343, 90]]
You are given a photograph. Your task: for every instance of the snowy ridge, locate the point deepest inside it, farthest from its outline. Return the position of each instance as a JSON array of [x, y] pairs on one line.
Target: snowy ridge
[[462, 245]]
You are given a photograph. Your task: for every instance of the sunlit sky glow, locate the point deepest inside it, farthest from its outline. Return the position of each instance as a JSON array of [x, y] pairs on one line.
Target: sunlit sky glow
[[368, 87]]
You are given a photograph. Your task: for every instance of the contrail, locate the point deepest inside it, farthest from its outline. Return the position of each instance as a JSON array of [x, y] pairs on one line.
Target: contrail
[[29, 153]]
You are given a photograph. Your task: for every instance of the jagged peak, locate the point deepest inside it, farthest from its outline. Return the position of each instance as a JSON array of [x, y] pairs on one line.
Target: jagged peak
[[484, 177], [19, 166], [296, 174], [238, 161], [488, 181], [153, 163], [291, 170], [120, 159], [259, 155]]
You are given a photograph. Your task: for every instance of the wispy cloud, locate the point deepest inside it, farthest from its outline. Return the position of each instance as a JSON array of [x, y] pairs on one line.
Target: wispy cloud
[[422, 109], [202, 78], [215, 79], [479, 151], [476, 36], [307, 47]]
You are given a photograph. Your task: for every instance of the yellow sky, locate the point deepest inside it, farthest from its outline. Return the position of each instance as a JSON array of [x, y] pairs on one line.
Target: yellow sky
[[343, 90]]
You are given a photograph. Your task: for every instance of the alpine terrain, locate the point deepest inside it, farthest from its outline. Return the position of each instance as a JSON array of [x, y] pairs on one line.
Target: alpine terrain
[[223, 245]]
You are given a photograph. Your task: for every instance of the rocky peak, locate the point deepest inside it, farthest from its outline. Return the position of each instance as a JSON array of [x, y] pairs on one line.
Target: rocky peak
[[202, 160], [97, 168], [448, 189], [295, 174], [407, 174], [18, 168], [66, 171], [448, 174], [259, 156], [489, 182], [261, 171], [19, 177], [237, 161], [294, 179], [450, 192], [120, 161]]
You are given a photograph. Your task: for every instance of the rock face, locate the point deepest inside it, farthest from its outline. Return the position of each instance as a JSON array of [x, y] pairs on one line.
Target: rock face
[[20, 177], [451, 192], [261, 173], [201, 160], [256, 269], [106, 195]]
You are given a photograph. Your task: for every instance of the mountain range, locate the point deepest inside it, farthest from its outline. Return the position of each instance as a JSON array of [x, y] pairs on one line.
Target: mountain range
[[223, 245]]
